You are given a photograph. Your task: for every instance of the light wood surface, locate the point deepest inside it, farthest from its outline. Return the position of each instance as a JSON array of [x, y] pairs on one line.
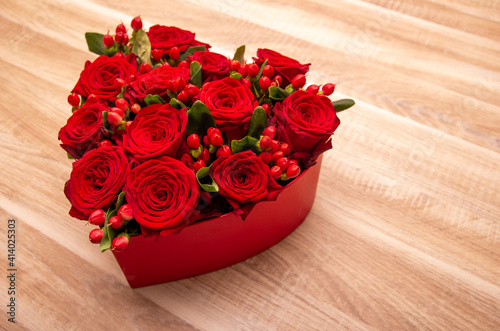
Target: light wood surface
[[405, 230]]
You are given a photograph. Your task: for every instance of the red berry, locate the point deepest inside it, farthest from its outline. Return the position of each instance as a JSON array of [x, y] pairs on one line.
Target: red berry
[[186, 158], [313, 89], [266, 107], [108, 40], [294, 161], [183, 64], [268, 71], [144, 68], [235, 65], [193, 141], [74, 99], [266, 157], [97, 217], [120, 27], [118, 84], [275, 172], [264, 83], [119, 55], [328, 88], [114, 119], [183, 97], [166, 64], [125, 212], [216, 140], [121, 103], [171, 86], [274, 84], [265, 142], [293, 170], [95, 236], [157, 54], [174, 53], [92, 98], [243, 70], [279, 80], [136, 23], [115, 222], [119, 243], [180, 83], [224, 150], [277, 155], [118, 111], [119, 37], [135, 108], [285, 148], [199, 164], [253, 70], [275, 146], [298, 81], [283, 163], [205, 155], [247, 82], [105, 143], [270, 131], [206, 142], [125, 39], [192, 90], [212, 131]]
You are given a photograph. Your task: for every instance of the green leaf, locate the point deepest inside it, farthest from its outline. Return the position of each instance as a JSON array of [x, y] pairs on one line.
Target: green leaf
[[108, 232], [203, 173], [142, 47], [94, 42], [258, 122], [122, 92], [199, 119], [277, 93], [105, 119], [259, 75], [244, 144], [120, 201], [69, 156], [153, 100], [236, 75], [343, 104], [195, 69], [177, 104], [190, 52], [239, 55]]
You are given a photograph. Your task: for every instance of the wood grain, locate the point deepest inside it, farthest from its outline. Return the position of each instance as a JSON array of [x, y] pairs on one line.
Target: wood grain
[[405, 230]]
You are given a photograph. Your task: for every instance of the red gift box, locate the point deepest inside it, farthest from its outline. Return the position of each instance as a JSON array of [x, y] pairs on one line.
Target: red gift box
[[219, 242]]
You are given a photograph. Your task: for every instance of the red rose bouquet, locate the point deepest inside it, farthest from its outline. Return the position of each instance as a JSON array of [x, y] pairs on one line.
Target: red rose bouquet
[[166, 133]]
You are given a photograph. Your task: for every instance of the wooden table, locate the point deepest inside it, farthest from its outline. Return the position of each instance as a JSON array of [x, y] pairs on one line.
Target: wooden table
[[405, 230]]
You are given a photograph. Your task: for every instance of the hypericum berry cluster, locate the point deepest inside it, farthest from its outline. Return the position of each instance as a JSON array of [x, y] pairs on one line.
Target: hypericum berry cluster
[[213, 147], [276, 154], [117, 222]]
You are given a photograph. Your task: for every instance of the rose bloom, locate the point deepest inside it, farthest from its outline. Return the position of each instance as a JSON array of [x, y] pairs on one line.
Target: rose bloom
[[214, 66], [244, 177], [306, 122], [231, 104], [163, 193], [284, 66], [96, 180], [98, 78], [155, 82], [166, 37], [156, 130], [83, 130]]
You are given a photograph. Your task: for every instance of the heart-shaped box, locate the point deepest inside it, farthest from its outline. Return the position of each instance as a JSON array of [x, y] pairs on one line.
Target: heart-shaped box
[[219, 242]]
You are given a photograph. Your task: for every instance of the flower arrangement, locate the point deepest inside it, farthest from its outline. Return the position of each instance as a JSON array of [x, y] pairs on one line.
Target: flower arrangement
[[166, 133]]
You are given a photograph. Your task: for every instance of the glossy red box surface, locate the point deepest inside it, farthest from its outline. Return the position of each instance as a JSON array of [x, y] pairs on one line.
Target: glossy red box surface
[[219, 242]]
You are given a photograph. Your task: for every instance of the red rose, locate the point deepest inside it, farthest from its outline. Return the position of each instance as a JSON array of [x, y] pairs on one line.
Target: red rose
[[98, 78], [284, 66], [306, 122], [155, 82], [156, 130], [96, 180], [214, 66], [165, 37], [244, 177], [163, 194], [231, 104], [83, 130]]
